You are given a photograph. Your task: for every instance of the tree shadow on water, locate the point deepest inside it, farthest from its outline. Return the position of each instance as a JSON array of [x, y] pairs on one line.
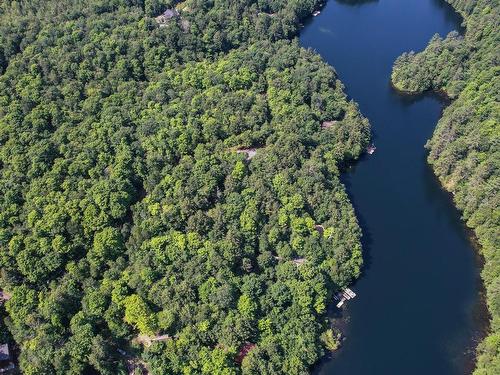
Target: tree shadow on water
[[451, 15], [366, 237], [356, 2]]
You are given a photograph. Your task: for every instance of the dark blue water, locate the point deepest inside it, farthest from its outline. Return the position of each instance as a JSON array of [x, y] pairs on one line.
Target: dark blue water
[[418, 299]]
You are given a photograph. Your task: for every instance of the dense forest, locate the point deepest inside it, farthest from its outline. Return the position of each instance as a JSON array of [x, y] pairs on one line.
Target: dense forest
[[465, 148], [171, 200]]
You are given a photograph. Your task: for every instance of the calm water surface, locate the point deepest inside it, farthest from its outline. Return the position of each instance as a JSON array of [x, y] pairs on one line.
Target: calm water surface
[[418, 308]]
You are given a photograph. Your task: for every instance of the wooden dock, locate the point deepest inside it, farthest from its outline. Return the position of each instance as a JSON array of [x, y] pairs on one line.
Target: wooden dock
[[371, 149], [343, 296]]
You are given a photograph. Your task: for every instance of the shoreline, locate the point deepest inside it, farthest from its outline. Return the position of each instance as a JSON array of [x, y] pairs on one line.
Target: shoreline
[[481, 312]]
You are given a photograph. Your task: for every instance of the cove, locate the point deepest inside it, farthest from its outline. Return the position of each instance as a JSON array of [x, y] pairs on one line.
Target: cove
[[418, 309]]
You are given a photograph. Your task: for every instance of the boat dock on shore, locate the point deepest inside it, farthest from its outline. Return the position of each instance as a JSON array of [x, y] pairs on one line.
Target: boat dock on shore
[[343, 296]]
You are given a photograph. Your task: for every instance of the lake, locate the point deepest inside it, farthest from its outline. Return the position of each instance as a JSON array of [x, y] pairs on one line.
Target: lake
[[419, 308]]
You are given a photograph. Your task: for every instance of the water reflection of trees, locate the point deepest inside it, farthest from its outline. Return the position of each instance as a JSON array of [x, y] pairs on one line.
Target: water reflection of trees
[[355, 2]]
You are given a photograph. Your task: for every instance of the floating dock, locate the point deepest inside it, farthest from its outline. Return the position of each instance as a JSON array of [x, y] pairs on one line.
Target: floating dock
[[350, 292], [343, 296]]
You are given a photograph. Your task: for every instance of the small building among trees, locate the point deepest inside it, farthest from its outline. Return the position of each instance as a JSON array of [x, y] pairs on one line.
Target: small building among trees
[[328, 124], [6, 363], [245, 349], [167, 16], [249, 152], [4, 296]]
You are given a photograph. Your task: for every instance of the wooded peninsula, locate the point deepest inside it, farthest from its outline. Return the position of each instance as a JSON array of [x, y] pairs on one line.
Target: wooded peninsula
[[171, 200]]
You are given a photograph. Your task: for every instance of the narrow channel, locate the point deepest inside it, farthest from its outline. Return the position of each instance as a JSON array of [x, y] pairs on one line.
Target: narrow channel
[[418, 309]]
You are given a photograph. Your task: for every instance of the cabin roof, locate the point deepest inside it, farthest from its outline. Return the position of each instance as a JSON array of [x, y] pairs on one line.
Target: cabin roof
[[148, 340], [320, 228], [250, 152], [4, 296], [299, 261], [170, 13], [328, 124], [4, 352], [167, 16], [245, 349]]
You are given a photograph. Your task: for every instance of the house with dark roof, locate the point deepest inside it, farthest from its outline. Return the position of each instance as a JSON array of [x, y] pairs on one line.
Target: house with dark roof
[[4, 353], [6, 364], [167, 16]]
